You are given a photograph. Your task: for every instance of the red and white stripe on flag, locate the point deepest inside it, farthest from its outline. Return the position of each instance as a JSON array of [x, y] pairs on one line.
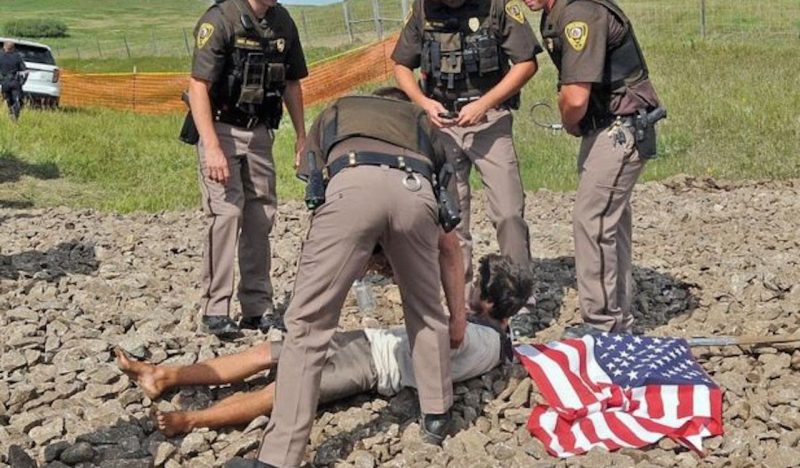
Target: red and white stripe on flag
[[586, 409]]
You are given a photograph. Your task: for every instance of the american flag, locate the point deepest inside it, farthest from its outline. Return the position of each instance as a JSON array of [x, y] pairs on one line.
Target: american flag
[[618, 390]]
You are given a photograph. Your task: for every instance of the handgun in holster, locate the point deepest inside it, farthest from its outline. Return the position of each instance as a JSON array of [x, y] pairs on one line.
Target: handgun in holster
[[315, 188], [449, 211], [644, 124], [189, 133]]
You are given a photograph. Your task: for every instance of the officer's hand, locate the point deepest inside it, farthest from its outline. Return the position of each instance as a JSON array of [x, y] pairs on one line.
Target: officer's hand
[[434, 108], [458, 327], [299, 144], [472, 114], [217, 166], [574, 130]]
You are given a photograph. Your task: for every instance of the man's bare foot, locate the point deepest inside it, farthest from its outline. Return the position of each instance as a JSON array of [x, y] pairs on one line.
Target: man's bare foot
[[171, 423], [148, 376]]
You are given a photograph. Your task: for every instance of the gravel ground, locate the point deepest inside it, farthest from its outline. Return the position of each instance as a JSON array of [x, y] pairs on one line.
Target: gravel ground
[[710, 258]]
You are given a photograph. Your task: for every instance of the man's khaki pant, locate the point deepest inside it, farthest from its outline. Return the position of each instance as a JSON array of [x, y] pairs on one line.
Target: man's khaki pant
[[364, 206], [489, 146], [608, 166], [242, 211]]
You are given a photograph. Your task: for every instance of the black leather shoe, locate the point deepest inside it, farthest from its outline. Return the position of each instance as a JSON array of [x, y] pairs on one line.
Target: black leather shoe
[[434, 427], [579, 331], [239, 462], [263, 323], [220, 325]]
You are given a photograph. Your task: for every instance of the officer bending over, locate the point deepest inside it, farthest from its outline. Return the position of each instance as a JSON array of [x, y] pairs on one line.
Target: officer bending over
[[247, 62], [380, 160]]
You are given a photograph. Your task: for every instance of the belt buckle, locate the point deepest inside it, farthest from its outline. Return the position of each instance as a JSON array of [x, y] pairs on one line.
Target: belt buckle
[[411, 182]]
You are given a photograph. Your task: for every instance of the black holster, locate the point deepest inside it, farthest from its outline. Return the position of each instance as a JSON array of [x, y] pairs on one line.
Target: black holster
[[449, 210], [189, 133], [645, 131], [315, 187]]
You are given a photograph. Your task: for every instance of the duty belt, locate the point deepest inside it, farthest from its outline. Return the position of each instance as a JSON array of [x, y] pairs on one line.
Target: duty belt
[[593, 123], [238, 119], [372, 158]]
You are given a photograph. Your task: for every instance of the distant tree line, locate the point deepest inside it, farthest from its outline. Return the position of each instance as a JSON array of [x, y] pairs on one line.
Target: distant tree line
[[35, 28]]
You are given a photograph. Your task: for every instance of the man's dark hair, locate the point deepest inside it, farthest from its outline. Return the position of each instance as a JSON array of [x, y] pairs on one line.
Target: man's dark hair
[[505, 284], [392, 92]]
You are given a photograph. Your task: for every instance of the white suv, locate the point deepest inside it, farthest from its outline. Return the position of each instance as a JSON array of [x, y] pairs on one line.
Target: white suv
[[43, 86]]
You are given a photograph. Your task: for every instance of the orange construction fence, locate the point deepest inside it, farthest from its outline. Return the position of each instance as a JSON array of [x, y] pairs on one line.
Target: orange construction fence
[[158, 93]]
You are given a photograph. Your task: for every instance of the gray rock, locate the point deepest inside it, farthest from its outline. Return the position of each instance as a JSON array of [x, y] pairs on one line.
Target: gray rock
[[49, 430], [79, 453], [192, 444], [19, 458], [53, 451], [163, 452]]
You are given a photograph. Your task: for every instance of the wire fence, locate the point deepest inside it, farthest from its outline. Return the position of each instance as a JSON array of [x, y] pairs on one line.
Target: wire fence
[[157, 93], [358, 22]]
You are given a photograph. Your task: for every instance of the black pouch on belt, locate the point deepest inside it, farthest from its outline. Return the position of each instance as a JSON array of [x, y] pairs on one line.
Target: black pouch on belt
[[645, 131], [189, 133]]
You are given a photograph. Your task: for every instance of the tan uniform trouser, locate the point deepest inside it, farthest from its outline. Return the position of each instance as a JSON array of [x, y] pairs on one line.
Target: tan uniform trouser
[[608, 166], [242, 211], [489, 146], [364, 205]]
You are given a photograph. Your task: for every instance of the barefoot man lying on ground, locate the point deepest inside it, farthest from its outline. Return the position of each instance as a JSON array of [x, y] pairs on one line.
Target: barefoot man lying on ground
[[357, 361]]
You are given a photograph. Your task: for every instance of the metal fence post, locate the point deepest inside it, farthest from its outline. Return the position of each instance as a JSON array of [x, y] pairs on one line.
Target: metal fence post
[[186, 42], [127, 47], [305, 25], [702, 19], [99, 52], [346, 13], [376, 16]]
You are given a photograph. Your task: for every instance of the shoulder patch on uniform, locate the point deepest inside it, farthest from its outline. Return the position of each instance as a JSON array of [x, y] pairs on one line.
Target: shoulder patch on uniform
[[576, 33], [204, 34], [513, 10]]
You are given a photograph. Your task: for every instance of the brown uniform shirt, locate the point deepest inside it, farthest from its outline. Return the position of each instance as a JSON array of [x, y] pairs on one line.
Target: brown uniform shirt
[[588, 31], [365, 143], [214, 39], [518, 41]]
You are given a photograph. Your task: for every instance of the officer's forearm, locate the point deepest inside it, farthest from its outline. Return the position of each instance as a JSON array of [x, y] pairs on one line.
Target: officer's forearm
[[451, 266], [406, 81], [293, 96], [515, 79], [573, 100], [200, 104]]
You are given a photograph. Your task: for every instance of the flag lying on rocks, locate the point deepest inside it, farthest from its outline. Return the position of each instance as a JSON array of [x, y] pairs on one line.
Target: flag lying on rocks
[[619, 390]]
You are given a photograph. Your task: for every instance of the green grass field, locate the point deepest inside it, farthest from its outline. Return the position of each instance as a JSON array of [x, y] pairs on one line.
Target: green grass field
[[732, 105]]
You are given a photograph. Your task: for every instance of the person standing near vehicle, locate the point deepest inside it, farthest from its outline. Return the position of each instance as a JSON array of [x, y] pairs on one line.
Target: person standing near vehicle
[[606, 98], [247, 62], [12, 75], [474, 57]]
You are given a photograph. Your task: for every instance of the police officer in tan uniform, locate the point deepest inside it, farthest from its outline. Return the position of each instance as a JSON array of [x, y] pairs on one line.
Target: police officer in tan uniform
[[474, 57], [606, 98], [247, 63], [381, 161]]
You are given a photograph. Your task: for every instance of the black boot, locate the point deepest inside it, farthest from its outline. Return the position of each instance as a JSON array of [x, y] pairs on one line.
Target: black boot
[[220, 325], [434, 427], [263, 323], [239, 462]]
